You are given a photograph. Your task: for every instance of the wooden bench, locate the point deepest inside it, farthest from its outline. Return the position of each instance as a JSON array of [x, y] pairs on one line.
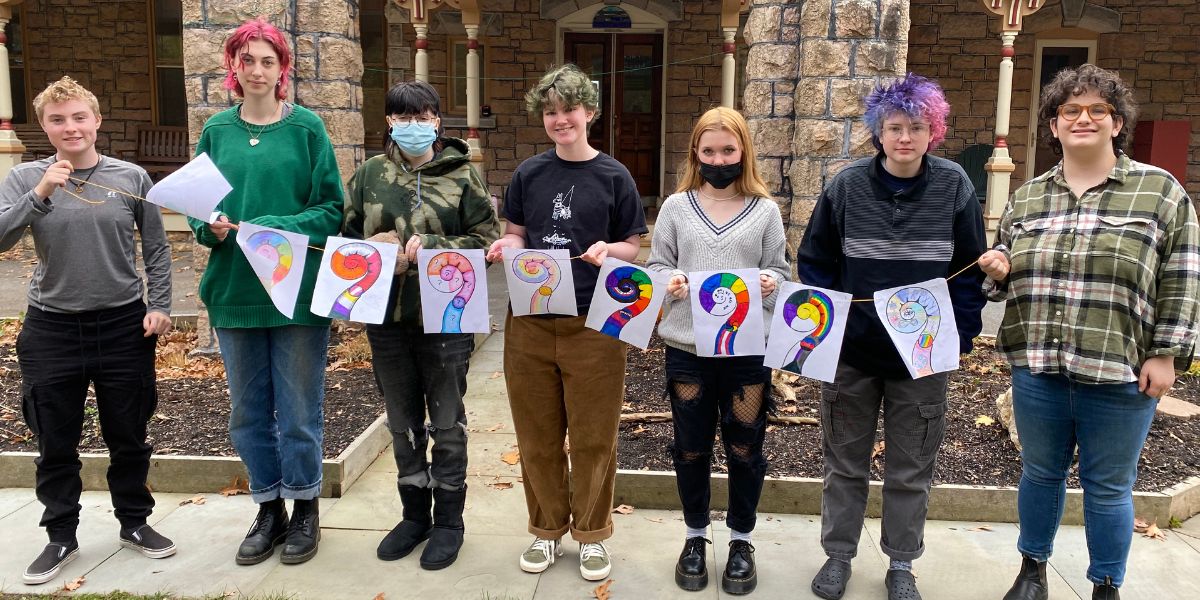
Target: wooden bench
[[37, 145], [162, 150]]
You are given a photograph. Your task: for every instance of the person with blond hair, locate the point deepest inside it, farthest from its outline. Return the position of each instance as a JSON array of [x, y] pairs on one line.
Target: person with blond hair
[[721, 216], [565, 377], [280, 161], [1098, 260], [87, 323]]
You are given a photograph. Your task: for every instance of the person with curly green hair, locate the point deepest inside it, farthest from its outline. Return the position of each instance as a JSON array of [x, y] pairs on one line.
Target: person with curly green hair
[[572, 378]]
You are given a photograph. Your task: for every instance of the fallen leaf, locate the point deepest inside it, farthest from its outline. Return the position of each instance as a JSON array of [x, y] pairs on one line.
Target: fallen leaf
[[1140, 525], [511, 457], [657, 519], [237, 486], [497, 375], [1154, 533], [601, 592], [877, 450], [984, 421], [74, 584], [623, 509], [501, 485], [981, 528], [496, 427], [197, 500], [637, 430], [379, 596]]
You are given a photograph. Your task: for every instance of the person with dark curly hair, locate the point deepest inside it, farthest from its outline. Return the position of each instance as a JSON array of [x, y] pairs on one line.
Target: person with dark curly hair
[[900, 217], [1098, 260]]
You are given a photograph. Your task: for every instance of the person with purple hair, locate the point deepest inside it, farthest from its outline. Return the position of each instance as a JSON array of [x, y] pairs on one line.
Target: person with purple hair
[[898, 218]]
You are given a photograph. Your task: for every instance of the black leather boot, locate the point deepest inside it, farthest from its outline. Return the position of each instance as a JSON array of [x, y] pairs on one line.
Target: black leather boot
[[268, 530], [1106, 591], [691, 573], [447, 536], [303, 533], [1031, 582], [415, 527], [739, 577]]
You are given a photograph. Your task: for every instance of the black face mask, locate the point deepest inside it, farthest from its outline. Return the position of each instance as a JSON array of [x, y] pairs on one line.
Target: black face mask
[[720, 177]]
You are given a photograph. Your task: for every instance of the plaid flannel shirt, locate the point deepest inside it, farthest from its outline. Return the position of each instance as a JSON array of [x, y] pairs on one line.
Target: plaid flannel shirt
[[1100, 283]]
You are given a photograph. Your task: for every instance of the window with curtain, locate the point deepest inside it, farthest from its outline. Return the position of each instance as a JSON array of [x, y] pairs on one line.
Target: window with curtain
[[170, 99]]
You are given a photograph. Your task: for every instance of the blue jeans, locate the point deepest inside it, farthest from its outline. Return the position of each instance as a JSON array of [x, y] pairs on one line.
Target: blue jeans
[[276, 422], [1109, 424]]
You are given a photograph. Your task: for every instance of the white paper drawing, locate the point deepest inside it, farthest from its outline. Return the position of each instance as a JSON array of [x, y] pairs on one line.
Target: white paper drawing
[[540, 282], [807, 329], [277, 257], [454, 297], [626, 302], [727, 313], [920, 321], [355, 280], [195, 189]]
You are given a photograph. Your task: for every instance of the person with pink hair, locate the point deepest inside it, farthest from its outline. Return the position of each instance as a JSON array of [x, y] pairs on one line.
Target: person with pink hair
[[280, 162], [900, 217]]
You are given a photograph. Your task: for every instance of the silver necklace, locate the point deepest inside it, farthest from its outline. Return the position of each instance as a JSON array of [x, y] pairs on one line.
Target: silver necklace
[[253, 135]]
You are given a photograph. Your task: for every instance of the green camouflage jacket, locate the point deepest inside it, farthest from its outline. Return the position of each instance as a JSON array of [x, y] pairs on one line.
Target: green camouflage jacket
[[454, 210]]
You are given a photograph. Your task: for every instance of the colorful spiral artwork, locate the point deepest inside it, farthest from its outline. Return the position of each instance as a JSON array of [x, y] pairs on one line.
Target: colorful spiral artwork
[[725, 294], [276, 248], [809, 312], [629, 285], [451, 272], [356, 261], [540, 268], [912, 309]]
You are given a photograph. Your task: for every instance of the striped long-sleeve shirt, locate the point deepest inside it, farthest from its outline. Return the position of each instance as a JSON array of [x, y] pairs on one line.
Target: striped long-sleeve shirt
[[1102, 282]]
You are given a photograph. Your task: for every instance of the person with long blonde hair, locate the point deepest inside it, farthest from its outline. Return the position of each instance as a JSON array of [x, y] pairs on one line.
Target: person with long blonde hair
[[721, 216]]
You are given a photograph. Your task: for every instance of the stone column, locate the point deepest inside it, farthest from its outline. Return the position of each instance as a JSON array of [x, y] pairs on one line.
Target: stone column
[[473, 91], [421, 60], [728, 67], [1000, 166], [810, 64], [11, 147]]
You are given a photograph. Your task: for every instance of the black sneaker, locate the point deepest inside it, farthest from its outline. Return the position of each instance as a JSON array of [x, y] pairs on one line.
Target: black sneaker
[[47, 565], [146, 540]]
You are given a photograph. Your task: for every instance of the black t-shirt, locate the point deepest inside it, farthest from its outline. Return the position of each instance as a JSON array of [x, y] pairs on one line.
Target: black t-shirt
[[573, 204]]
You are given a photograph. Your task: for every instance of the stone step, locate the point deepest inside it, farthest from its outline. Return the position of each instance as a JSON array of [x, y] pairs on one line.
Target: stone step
[[1175, 407]]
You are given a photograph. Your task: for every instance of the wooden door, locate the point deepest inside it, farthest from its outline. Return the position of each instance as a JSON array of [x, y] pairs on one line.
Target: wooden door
[[592, 52], [636, 111], [1053, 59]]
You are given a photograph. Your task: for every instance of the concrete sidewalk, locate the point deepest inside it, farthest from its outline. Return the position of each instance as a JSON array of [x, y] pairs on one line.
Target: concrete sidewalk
[[962, 561]]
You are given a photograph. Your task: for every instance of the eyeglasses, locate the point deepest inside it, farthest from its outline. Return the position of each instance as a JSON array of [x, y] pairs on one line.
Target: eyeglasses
[[410, 119], [1095, 111], [896, 132]]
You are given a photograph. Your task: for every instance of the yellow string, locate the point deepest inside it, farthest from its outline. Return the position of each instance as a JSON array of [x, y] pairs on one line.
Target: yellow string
[[82, 182], [960, 272]]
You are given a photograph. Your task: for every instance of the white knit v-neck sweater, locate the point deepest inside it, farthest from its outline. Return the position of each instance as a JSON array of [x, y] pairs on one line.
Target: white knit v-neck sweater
[[686, 241]]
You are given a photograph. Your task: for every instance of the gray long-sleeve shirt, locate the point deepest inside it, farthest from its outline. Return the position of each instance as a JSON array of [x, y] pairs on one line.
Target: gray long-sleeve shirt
[[86, 252]]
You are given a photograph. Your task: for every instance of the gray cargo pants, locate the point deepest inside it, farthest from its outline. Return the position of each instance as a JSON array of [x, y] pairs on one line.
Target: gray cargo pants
[[914, 421]]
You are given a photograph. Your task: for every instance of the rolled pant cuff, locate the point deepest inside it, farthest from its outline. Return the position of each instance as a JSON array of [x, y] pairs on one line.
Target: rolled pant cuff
[[1038, 556], [843, 556], [307, 492], [910, 555], [1100, 580], [588, 537], [549, 534], [266, 494]]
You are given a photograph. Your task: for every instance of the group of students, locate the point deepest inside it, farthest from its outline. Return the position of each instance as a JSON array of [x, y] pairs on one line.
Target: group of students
[[1098, 259]]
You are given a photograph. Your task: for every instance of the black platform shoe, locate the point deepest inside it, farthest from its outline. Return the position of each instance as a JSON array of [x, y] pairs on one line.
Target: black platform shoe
[[739, 577], [691, 572]]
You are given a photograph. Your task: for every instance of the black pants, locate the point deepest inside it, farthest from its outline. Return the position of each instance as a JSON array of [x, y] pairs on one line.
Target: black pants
[[736, 393], [59, 355]]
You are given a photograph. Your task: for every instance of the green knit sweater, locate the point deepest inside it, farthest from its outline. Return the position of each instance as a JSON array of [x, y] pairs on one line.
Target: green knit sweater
[[289, 181]]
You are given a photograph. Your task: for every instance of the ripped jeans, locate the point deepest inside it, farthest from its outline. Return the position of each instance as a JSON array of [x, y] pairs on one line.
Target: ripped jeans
[[736, 394], [416, 372]]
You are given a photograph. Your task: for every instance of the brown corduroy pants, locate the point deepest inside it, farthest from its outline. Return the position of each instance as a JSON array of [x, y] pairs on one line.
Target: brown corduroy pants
[[563, 377]]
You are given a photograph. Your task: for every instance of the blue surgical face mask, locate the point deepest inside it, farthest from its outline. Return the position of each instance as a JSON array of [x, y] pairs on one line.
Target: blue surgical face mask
[[414, 139]]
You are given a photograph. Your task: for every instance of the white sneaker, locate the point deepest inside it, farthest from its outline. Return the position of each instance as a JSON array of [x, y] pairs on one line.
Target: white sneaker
[[594, 563], [540, 555]]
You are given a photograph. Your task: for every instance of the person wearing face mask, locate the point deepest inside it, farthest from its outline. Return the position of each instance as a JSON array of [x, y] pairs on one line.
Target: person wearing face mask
[[281, 164], [720, 217], [900, 217], [421, 193]]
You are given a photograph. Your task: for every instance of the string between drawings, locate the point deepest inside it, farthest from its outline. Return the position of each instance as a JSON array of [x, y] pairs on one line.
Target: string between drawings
[[960, 272]]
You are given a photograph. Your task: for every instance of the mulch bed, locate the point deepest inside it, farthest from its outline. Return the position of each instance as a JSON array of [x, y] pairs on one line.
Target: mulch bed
[[193, 402], [972, 453]]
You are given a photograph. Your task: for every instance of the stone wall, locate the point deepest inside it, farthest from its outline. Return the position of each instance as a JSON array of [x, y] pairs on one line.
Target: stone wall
[[809, 66], [1151, 43], [327, 65], [694, 46], [106, 48]]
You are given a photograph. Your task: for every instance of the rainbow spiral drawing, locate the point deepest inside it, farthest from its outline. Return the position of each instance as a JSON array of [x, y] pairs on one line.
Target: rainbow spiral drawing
[[276, 248], [354, 261], [538, 267], [809, 312], [725, 294], [451, 272], [909, 310], [629, 285]]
